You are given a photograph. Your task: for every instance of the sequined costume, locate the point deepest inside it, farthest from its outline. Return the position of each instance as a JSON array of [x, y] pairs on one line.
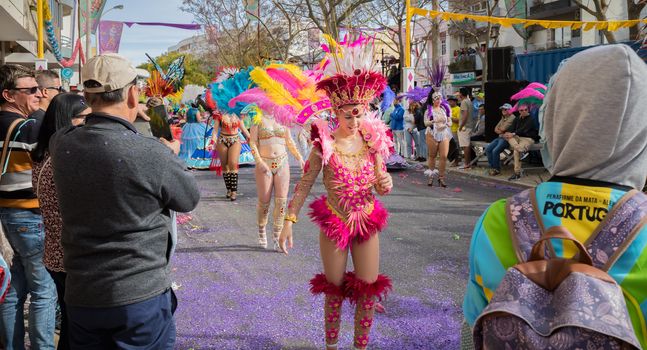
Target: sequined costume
[[350, 210]]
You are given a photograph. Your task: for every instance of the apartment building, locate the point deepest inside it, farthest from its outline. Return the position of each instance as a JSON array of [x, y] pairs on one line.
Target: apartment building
[[18, 31]]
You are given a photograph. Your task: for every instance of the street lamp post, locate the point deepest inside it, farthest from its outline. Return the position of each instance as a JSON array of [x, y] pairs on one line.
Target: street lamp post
[[116, 7]]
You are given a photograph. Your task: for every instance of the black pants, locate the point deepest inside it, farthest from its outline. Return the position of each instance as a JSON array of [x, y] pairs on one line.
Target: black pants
[[59, 281], [145, 325]]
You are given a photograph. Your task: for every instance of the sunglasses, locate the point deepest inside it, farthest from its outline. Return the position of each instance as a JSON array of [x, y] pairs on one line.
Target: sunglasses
[[57, 88], [523, 110], [29, 91]]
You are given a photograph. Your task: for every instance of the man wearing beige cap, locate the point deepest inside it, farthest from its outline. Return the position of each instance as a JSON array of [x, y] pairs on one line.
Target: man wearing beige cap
[[116, 188]]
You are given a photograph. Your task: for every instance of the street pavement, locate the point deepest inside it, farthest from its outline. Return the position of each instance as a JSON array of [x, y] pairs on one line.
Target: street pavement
[[235, 295]]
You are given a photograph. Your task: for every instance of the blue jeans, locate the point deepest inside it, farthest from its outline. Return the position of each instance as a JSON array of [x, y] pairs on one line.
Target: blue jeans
[[421, 144], [408, 139], [148, 324], [25, 232], [493, 151]]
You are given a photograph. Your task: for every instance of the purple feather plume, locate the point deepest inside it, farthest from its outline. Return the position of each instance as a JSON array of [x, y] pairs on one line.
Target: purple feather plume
[[417, 94], [388, 96]]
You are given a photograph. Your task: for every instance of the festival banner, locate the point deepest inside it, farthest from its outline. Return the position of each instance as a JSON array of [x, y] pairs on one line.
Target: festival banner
[[96, 7], [509, 22], [110, 36]]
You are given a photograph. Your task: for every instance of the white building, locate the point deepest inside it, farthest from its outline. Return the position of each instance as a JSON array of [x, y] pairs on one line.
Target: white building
[[197, 45], [18, 31]]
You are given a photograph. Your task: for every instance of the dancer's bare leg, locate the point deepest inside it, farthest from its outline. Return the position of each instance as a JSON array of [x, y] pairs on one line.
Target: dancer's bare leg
[[334, 265], [264, 184], [233, 154], [443, 151], [222, 154], [281, 181], [432, 152], [366, 259]]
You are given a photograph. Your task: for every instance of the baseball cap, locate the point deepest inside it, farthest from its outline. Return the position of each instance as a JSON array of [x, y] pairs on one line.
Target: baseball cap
[[110, 70], [452, 97], [506, 106]]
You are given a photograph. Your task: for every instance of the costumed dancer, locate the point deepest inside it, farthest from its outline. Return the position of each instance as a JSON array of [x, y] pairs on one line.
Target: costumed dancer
[[196, 137], [284, 93], [228, 125], [351, 157], [439, 132]]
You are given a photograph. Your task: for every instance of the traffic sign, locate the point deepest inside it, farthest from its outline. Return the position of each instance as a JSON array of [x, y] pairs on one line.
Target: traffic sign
[[67, 73]]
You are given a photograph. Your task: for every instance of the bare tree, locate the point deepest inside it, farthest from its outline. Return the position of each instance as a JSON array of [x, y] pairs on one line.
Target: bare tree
[[634, 8], [330, 15], [599, 11], [239, 39], [390, 16]]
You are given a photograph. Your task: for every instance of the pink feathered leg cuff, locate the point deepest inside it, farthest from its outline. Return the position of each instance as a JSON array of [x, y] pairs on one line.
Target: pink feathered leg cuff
[[355, 288], [320, 285]]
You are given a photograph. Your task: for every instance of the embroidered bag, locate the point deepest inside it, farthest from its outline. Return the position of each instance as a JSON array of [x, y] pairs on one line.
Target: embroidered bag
[[545, 302]]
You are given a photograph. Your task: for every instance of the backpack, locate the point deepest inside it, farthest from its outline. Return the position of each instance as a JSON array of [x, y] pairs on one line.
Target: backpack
[[545, 302]]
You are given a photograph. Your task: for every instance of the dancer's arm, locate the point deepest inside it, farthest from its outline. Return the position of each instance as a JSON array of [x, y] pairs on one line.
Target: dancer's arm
[[384, 180], [244, 130], [216, 126], [253, 139], [311, 171], [293, 148]]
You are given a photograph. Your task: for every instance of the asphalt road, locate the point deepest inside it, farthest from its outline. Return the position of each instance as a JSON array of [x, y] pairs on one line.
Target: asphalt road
[[234, 295]]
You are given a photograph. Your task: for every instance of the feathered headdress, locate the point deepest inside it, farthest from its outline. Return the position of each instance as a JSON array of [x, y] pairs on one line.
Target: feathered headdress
[[286, 92], [226, 90], [437, 73], [158, 86], [388, 96], [532, 96], [417, 94], [350, 75]]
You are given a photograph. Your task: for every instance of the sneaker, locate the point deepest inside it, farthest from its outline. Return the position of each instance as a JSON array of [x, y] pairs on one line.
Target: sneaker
[[494, 172], [515, 176], [465, 167]]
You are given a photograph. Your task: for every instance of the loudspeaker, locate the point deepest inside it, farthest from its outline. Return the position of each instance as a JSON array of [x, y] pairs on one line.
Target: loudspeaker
[[499, 62], [498, 93]]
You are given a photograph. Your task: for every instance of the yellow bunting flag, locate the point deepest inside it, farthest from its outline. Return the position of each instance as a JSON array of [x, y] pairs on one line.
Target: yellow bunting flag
[[508, 22]]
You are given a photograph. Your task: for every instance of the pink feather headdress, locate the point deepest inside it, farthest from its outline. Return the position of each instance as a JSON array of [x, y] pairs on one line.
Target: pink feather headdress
[[291, 89], [351, 77]]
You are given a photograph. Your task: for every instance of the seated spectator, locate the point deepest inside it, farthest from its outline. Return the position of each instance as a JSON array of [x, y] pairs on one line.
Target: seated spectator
[[116, 189], [523, 134], [593, 168], [494, 149], [478, 134]]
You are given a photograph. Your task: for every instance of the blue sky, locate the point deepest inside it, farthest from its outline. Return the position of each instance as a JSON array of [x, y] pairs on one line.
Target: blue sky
[[138, 40]]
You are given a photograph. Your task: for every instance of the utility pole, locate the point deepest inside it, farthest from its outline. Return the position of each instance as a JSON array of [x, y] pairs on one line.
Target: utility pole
[[88, 28], [41, 17]]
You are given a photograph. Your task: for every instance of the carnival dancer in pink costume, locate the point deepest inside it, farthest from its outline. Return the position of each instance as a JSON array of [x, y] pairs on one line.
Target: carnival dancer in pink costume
[[350, 150]]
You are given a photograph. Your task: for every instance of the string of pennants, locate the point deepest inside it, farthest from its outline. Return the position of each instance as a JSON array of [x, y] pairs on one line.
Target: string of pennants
[[509, 22]]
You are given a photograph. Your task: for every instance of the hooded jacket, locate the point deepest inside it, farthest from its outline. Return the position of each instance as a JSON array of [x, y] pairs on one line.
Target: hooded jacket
[[595, 121]]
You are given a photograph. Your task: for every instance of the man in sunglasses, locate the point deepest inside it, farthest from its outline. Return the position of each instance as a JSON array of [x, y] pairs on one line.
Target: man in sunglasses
[[522, 135], [21, 220], [50, 86]]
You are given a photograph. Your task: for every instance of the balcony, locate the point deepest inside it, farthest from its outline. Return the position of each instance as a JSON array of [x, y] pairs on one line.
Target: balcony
[[560, 9], [461, 64]]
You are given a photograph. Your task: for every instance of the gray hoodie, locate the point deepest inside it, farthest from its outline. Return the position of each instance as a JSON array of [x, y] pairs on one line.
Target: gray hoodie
[[595, 117]]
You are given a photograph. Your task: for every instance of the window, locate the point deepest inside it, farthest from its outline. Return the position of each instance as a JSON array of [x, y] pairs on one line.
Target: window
[[443, 47]]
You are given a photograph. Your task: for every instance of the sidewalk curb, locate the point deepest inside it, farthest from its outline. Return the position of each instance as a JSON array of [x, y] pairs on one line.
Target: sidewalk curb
[[501, 181], [476, 175]]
